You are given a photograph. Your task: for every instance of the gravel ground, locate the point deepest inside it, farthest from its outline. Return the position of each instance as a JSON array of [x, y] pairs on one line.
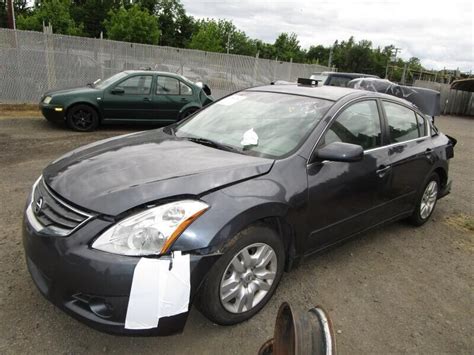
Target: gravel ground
[[394, 290]]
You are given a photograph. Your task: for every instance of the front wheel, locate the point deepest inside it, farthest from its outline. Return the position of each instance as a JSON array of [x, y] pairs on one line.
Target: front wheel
[[426, 201], [82, 118], [244, 278]]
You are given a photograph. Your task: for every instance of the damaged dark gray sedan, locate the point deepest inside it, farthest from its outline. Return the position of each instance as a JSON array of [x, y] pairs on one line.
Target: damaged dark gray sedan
[[127, 233]]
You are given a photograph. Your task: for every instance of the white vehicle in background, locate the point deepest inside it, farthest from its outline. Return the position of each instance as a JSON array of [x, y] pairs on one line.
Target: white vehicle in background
[[337, 79]]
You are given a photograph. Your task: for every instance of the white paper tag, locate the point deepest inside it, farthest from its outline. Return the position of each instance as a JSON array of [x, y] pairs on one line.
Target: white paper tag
[[158, 291], [250, 137]]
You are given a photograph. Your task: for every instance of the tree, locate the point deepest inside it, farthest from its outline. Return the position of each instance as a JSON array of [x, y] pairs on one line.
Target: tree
[[3, 13], [208, 37], [54, 12], [176, 27], [287, 47], [318, 54], [132, 25], [92, 13], [265, 50]]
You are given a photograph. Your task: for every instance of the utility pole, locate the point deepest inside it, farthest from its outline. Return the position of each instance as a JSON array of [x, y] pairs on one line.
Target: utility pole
[[330, 56], [391, 59], [228, 42], [11, 15], [404, 73]]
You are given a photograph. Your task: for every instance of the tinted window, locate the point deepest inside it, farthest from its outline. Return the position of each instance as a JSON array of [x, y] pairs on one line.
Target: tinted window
[[402, 122], [257, 123], [167, 86], [358, 124], [338, 81], [185, 90], [137, 85]]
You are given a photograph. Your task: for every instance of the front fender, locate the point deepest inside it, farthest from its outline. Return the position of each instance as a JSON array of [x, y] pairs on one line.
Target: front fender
[[235, 207]]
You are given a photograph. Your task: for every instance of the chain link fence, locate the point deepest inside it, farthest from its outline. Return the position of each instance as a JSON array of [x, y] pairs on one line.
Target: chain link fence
[[34, 62]]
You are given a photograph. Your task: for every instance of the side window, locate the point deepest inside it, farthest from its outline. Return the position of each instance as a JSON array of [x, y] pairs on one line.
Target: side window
[[357, 124], [422, 125], [185, 90], [402, 122], [338, 81], [137, 85], [167, 86]]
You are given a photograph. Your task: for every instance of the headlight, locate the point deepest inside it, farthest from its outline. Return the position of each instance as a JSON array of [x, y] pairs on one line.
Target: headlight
[[151, 232], [47, 100]]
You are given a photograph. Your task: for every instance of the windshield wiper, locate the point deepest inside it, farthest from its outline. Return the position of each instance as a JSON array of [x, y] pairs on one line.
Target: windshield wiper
[[213, 144]]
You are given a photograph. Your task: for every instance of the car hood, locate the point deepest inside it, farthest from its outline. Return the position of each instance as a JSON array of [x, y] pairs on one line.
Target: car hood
[[117, 174], [75, 91]]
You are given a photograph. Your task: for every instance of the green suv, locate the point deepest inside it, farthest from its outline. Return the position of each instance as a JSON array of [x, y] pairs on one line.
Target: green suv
[[138, 96]]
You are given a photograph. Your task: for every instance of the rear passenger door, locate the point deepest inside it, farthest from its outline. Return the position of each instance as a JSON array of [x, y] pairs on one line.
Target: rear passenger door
[[410, 153], [170, 96]]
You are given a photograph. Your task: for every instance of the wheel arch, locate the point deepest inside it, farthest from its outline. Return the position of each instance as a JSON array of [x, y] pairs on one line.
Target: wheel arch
[[442, 174], [87, 103], [274, 215]]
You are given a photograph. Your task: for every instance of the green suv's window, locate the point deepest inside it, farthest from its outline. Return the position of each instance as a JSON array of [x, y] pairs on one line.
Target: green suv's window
[[185, 90], [137, 85], [167, 86]]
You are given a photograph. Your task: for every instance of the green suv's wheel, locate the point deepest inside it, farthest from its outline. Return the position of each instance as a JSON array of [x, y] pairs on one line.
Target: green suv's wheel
[[243, 280], [82, 118]]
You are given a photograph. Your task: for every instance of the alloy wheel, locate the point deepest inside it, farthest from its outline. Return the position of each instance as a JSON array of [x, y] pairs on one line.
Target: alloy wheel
[[428, 199], [248, 278], [82, 119]]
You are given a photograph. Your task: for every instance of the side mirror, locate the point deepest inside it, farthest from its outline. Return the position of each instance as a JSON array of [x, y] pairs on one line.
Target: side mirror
[[338, 151], [118, 91]]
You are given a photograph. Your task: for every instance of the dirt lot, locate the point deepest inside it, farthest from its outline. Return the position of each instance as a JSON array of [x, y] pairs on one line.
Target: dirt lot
[[394, 290]]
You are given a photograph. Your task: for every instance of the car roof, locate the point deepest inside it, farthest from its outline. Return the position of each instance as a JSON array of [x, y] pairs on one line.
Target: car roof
[[337, 73], [332, 93], [144, 71]]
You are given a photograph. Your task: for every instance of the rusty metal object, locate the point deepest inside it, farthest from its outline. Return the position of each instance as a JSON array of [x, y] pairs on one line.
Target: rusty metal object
[[301, 333]]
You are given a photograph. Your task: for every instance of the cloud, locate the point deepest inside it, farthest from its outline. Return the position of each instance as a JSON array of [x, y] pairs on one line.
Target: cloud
[[440, 33]]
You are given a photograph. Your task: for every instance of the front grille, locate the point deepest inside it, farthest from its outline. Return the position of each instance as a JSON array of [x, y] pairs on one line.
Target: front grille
[[54, 215]]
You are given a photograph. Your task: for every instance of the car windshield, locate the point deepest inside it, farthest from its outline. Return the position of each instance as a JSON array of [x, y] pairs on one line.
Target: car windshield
[[104, 83], [256, 123]]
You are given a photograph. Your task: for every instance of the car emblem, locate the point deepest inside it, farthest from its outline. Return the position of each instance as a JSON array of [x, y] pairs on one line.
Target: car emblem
[[39, 204]]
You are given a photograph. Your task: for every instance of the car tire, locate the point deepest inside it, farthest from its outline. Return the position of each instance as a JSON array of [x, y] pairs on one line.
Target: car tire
[[188, 112], [82, 118], [211, 300], [426, 201]]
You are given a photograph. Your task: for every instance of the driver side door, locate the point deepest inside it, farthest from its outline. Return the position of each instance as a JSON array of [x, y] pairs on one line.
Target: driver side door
[[129, 99], [348, 197]]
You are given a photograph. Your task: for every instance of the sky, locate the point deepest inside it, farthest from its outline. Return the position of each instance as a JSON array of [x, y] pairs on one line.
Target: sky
[[439, 33]]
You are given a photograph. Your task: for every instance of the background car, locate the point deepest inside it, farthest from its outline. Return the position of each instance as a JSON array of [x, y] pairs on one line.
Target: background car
[[239, 192], [135, 96], [337, 78]]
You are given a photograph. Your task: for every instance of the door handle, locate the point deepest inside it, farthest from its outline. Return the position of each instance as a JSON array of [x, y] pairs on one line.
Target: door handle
[[383, 170], [146, 99], [184, 99], [428, 151]]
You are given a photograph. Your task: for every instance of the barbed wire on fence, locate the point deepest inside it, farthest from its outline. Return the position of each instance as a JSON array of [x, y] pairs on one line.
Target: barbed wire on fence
[[32, 63]]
